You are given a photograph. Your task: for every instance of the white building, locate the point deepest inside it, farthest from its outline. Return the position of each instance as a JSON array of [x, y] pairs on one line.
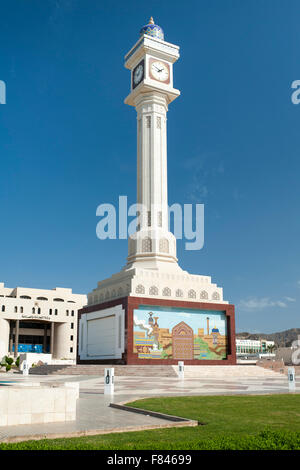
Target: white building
[[250, 346], [39, 321]]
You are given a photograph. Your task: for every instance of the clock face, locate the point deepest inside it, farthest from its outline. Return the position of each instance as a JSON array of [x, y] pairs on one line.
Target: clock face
[[159, 71], [138, 74]]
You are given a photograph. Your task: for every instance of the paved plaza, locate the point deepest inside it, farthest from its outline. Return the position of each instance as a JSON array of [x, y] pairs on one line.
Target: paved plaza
[[94, 416]]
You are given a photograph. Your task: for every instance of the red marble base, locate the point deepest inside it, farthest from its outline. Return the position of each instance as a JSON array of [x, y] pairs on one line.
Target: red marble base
[[131, 303]]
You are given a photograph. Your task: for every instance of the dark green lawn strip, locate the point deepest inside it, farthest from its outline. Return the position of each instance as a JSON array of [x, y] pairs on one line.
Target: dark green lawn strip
[[232, 422]]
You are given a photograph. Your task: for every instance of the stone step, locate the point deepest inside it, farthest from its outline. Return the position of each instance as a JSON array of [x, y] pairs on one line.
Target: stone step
[[222, 371], [120, 370]]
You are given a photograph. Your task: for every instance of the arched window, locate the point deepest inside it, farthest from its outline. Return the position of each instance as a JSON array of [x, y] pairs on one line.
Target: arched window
[[203, 294], [16, 309], [140, 289], [33, 310], [216, 296], [147, 245], [41, 298], [58, 300], [179, 293], [153, 290], [25, 297], [120, 291], [3, 308], [192, 294], [166, 292], [164, 245]]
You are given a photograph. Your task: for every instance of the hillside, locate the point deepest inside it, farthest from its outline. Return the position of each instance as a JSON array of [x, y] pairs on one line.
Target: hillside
[[281, 339]]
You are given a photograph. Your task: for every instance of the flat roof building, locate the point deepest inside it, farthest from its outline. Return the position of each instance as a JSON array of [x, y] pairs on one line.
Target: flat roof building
[[39, 321]]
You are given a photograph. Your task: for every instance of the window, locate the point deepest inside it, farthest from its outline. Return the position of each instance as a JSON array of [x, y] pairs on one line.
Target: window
[[179, 293], [72, 313], [140, 289], [67, 313], [58, 300], [71, 349], [3, 308], [71, 338], [33, 310], [153, 290], [203, 295], [72, 326], [166, 291], [25, 297], [192, 294], [50, 311], [55, 311], [164, 245], [16, 309], [147, 245], [39, 310], [21, 309], [41, 298]]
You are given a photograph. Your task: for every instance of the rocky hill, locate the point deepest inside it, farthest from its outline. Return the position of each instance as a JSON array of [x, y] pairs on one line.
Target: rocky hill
[[281, 339]]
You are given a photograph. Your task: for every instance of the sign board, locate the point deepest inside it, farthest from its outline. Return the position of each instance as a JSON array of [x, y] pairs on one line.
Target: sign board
[[291, 378], [109, 385]]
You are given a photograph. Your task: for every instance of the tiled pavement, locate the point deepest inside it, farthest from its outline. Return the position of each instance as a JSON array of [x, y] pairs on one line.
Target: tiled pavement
[[94, 414]]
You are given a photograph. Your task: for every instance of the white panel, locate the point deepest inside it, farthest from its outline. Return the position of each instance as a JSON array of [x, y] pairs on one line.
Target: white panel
[[101, 336]]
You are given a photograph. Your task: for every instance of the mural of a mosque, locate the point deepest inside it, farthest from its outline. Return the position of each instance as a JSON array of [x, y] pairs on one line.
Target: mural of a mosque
[[173, 333]]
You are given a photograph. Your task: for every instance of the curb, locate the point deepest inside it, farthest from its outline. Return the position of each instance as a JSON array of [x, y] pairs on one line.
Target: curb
[[156, 414]]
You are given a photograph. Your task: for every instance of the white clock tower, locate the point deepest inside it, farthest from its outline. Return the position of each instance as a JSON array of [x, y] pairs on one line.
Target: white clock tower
[[152, 269], [151, 63]]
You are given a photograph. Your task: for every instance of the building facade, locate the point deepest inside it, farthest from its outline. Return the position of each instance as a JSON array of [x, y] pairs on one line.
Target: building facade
[[39, 321], [248, 346]]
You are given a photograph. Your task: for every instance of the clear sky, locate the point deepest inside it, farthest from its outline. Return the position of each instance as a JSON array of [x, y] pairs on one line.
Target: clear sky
[[68, 143]]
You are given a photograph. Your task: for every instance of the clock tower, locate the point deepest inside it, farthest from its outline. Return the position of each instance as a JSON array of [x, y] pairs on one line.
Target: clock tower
[[152, 311], [151, 64]]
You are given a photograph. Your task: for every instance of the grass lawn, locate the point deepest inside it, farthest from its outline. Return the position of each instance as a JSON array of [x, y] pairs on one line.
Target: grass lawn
[[231, 422]]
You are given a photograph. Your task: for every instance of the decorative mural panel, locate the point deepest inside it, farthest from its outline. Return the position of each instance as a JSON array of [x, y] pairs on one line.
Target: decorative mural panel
[[179, 334]]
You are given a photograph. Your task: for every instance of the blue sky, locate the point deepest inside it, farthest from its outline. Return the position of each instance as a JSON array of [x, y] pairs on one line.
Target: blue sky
[[68, 143]]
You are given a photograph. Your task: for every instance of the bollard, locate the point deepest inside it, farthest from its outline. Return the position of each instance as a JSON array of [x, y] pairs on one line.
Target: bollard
[[291, 379], [109, 386], [181, 369], [25, 368]]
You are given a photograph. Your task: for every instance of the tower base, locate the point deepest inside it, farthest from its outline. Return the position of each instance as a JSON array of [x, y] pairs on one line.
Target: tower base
[[137, 330]]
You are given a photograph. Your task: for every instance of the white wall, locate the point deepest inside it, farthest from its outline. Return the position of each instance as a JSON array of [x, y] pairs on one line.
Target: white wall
[[102, 334]]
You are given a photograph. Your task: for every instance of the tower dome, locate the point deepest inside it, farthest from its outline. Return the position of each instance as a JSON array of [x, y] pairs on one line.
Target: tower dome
[[153, 30]]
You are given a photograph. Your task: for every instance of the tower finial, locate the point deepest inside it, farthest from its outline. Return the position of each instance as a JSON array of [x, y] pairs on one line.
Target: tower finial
[[151, 21]]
